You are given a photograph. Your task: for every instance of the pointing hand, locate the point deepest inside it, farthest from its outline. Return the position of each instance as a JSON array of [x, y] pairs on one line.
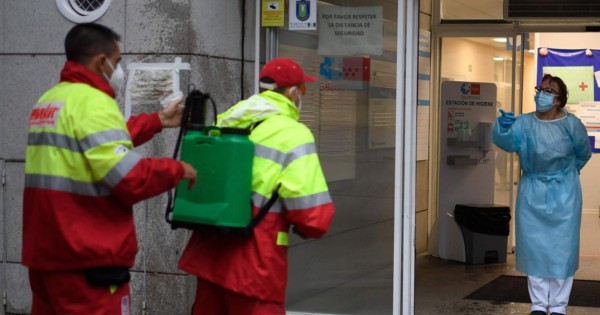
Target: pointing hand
[[507, 119]]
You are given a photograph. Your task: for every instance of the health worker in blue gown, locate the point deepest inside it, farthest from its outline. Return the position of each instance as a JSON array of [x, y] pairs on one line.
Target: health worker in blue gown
[[553, 147]]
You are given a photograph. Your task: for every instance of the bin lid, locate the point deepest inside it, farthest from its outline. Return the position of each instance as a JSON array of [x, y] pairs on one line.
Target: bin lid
[[477, 206], [484, 218]]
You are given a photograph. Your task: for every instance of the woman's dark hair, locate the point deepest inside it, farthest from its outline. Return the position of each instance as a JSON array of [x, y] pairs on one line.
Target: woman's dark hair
[[84, 41], [563, 94]]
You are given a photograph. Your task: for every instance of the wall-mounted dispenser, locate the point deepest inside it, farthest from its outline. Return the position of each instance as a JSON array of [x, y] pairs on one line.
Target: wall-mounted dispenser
[[485, 136], [466, 140]]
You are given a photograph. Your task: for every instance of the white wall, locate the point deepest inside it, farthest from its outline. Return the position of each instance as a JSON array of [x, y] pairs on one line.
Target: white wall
[[466, 60], [590, 180]]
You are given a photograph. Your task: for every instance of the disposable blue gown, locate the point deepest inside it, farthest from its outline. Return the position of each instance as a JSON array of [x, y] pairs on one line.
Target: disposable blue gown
[[548, 209]]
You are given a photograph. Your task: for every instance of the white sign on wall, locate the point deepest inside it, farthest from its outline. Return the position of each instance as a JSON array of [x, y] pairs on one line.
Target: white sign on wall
[[466, 173], [303, 15], [589, 113], [350, 30], [149, 83]]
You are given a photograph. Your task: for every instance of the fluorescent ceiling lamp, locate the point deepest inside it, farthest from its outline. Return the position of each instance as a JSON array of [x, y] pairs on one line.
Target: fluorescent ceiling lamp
[[532, 51], [498, 58], [500, 39]]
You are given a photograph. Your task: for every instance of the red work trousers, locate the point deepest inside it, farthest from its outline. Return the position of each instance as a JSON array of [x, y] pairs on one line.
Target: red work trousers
[[212, 299], [69, 293]]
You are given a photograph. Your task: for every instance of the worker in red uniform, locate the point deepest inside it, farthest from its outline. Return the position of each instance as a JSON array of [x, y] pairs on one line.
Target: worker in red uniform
[[82, 178], [248, 275]]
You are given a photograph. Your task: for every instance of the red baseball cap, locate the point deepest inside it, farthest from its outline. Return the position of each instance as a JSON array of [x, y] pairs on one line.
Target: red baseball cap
[[285, 72]]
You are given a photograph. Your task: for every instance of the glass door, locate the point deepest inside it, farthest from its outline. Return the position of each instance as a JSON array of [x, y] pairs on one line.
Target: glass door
[[496, 60], [351, 111], [499, 61], [477, 75], [357, 113]]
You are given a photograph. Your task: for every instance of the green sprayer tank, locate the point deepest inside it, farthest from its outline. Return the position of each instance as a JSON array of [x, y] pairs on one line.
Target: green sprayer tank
[[221, 197]]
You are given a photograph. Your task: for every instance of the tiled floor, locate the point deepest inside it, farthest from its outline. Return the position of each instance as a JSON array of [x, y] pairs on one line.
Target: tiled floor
[[440, 288], [441, 285]]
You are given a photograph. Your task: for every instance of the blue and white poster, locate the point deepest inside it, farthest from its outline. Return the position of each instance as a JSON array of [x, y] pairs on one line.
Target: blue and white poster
[[579, 71], [303, 15]]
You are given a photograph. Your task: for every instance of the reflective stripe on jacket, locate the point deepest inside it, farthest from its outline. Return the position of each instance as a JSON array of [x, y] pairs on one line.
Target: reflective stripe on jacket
[[82, 178], [285, 157]]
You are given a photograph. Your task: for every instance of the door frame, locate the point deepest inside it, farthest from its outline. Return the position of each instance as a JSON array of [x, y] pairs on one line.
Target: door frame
[[406, 158], [475, 28], [444, 29]]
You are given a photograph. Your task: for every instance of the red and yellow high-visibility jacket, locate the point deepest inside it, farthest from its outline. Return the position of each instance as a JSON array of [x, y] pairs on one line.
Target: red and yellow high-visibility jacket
[[285, 157], [82, 176]]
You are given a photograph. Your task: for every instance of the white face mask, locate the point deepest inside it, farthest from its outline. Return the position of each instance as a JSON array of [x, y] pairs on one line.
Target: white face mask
[[117, 77], [298, 100]]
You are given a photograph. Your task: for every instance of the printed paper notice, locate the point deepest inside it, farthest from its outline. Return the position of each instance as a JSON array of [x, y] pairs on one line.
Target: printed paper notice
[[150, 85], [589, 113], [350, 30]]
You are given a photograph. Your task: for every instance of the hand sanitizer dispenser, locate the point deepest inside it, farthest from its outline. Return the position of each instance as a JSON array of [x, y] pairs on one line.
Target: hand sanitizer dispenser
[[485, 136]]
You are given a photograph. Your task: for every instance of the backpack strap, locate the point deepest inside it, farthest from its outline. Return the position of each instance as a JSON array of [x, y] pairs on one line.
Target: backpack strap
[[262, 213], [255, 124]]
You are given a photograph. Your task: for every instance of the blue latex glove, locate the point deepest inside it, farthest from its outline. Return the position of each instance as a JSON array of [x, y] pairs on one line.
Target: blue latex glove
[[507, 119]]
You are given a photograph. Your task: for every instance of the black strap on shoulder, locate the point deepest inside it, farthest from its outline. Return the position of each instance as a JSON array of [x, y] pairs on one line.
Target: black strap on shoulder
[[255, 124], [262, 213]]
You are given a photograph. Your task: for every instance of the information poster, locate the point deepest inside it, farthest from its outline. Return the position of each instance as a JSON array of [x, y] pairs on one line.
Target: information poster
[[273, 13], [579, 69], [589, 113], [465, 105], [303, 15], [350, 31]]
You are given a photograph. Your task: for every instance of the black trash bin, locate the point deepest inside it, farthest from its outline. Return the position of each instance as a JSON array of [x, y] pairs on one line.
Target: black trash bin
[[485, 230]]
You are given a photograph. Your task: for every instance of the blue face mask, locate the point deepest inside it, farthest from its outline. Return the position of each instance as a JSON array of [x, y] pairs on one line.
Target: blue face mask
[[543, 101]]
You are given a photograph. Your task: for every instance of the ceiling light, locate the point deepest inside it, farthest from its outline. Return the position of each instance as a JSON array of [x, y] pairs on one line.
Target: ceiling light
[[498, 58], [500, 39]]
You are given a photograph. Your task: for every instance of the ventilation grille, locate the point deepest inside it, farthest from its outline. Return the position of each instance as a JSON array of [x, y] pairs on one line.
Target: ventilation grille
[[82, 11], [87, 5], [551, 9]]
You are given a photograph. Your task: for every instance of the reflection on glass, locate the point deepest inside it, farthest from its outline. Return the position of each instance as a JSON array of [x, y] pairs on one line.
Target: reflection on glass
[[351, 113], [484, 59]]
